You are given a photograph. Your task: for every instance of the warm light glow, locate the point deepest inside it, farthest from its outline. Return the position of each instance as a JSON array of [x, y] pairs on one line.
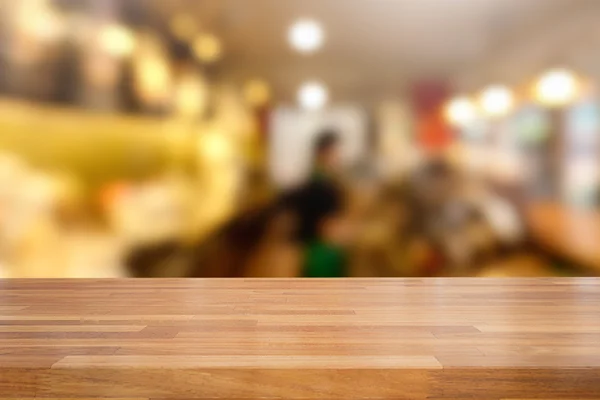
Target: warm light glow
[[497, 101], [191, 96], [313, 96], [39, 20], [216, 147], [461, 111], [556, 88], [183, 26], [117, 40], [306, 36], [208, 48], [153, 80], [257, 93]]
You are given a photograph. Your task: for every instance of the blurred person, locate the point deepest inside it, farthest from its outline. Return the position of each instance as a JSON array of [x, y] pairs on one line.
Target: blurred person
[[453, 227], [319, 207]]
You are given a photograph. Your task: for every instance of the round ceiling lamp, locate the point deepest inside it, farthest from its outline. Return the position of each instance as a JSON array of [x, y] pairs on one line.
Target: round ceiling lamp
[[461, 111], [557, 87], [497, 101], [306, 36], [313, 96]]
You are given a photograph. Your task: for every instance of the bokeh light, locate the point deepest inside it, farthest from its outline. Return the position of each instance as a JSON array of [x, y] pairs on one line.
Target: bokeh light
[[306, 36], [117, 40], [208, 48], [557, 87], [191, 96], [497, 101], [153, 79], [37, 19], [461, 111], [313, 96]]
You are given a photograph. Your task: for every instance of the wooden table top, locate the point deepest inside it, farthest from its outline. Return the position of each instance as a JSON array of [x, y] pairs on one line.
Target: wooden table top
[[241, 339]]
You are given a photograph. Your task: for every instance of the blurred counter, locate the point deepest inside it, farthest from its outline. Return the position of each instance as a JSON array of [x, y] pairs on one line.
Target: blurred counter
[[569, 233]]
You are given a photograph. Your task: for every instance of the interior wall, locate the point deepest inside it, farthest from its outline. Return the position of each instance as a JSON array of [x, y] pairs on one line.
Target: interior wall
[[292, 134], [568, 40]]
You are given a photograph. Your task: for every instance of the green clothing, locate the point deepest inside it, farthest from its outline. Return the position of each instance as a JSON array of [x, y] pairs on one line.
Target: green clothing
[[324, 261]]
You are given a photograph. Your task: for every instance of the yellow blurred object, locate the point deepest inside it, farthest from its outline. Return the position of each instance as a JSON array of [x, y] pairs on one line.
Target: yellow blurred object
[[191, 96], [557, 87], [153, 79], [497, 101], [36, 18], [183, 26], [461, 111], [208, 48], [117, 40], [257, 93], [232, 115]]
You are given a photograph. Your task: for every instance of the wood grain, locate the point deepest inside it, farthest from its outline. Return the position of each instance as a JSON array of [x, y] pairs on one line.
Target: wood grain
[[488, 339]]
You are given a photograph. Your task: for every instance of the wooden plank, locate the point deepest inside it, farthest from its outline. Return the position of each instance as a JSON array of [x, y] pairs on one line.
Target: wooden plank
[[487, 339]]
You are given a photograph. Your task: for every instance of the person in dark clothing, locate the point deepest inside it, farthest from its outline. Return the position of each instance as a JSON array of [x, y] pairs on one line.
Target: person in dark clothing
[[318, 204]]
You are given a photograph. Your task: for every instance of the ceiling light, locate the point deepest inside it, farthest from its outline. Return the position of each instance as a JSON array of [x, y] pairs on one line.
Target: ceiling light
[[306, 36], [557, 87], [313, 96], [497, 101], [461, 111]]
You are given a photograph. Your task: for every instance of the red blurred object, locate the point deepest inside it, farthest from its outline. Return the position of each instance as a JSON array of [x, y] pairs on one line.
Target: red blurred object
[[428, 98]]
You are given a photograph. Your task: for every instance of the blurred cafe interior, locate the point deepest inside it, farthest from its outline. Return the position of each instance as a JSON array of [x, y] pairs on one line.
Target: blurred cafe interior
[[299, 138]]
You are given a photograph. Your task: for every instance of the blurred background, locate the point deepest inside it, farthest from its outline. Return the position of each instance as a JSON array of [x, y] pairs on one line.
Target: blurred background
[[272, 138]]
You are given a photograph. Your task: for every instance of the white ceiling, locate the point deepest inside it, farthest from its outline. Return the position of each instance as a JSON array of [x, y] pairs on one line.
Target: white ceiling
[[373, 47]]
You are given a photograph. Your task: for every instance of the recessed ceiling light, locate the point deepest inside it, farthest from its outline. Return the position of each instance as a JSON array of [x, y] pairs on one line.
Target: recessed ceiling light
[[313, 96], [306, 36], [557, 87], [461, 111], [497, 101]]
